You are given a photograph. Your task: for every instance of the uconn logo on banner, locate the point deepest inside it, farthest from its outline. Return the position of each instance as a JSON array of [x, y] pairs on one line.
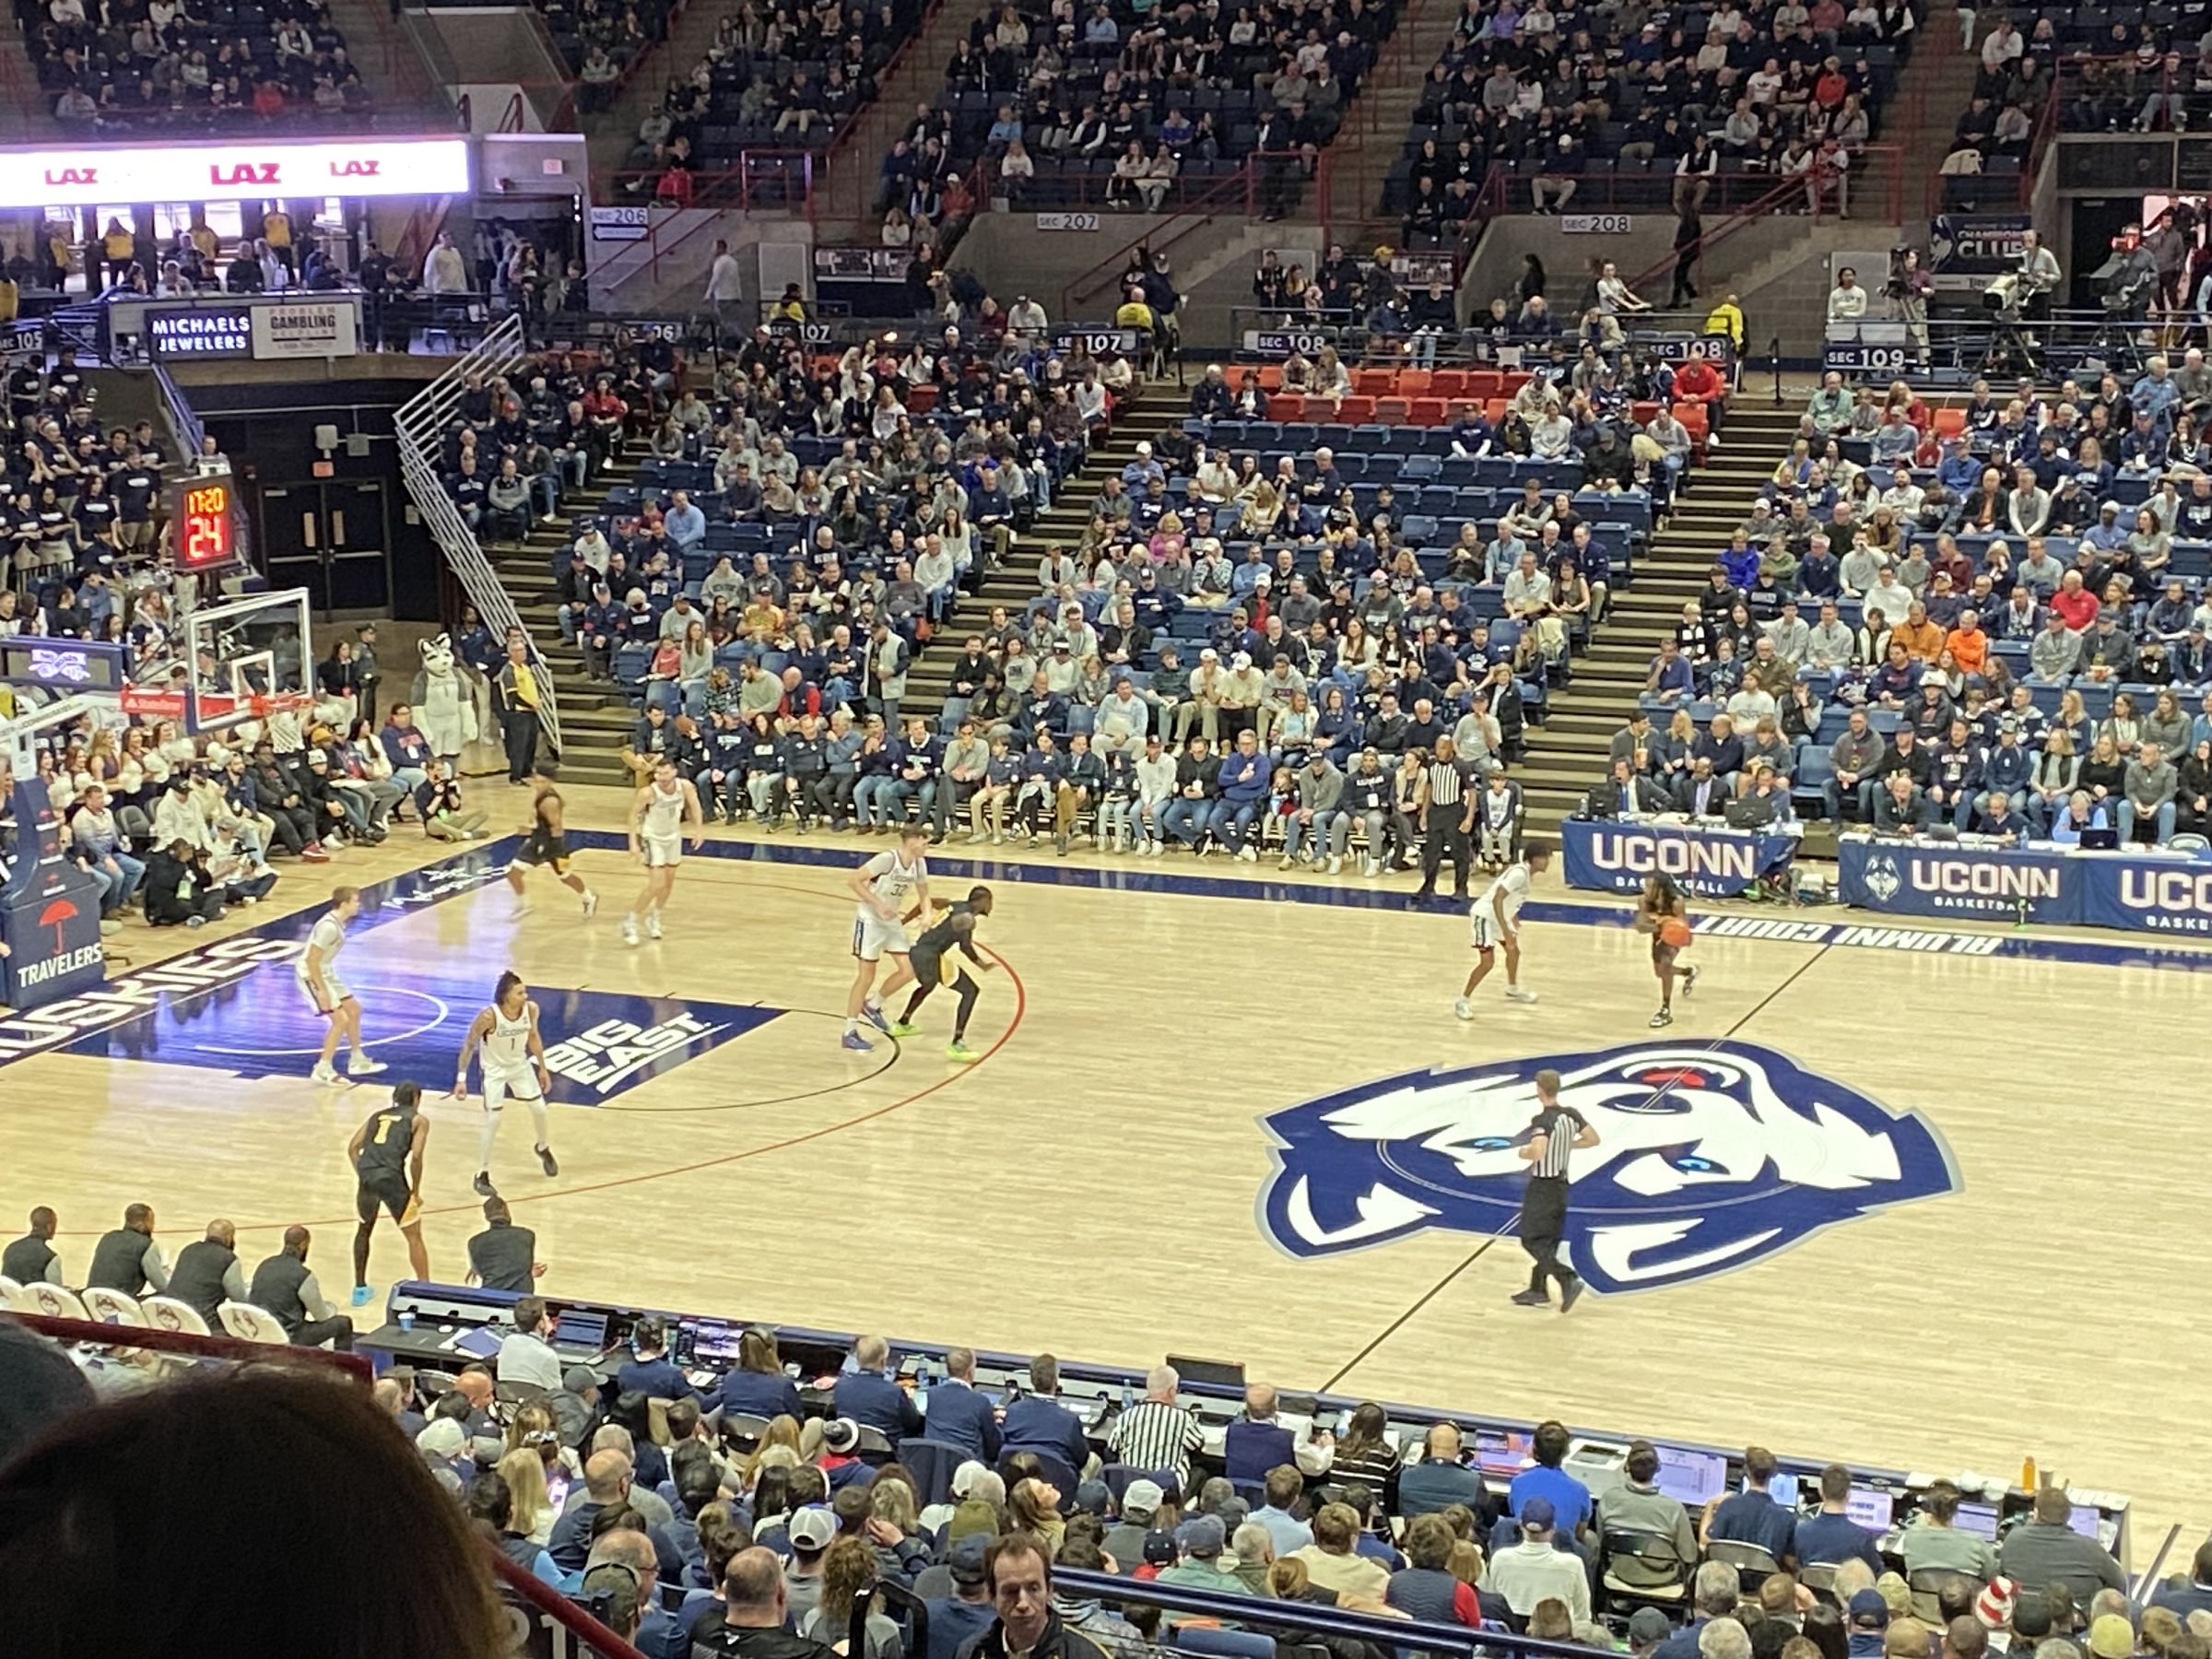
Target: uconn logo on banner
[[1696, 865], [2168, 900], [1981, 886]]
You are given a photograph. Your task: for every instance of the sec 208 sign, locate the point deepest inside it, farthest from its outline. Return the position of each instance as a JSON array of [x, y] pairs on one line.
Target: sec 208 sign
[[1594, 224]]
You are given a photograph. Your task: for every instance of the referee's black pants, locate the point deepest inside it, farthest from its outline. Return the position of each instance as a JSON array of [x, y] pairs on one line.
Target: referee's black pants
[[1543, 1225], [1441, 840]]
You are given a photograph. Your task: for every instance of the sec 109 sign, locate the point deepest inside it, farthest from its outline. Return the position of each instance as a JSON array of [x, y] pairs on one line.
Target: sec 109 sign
[[203, 533]]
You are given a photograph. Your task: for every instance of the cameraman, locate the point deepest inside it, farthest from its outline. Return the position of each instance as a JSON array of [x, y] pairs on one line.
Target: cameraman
[[2039, 277], [1907, 292]]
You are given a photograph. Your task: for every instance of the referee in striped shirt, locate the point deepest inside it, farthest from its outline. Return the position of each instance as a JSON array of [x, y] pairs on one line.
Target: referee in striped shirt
[[1447, 816], [1554, 1132], [1156, 1435]]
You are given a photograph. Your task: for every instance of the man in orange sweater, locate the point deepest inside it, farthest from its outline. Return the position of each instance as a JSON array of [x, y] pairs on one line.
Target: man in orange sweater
[[1921, 638], [1968, 644]]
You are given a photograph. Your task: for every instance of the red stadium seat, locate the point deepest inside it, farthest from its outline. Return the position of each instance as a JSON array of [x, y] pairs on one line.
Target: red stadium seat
[[1356, 411], [920, 400], [1287, 405], [1414, 383], [1641, 413], [1448, 383], [1485, 383], [1428, 412], [1394, 411], [1374, 383], [1494, 409], [1950, 422], [1271, 377]]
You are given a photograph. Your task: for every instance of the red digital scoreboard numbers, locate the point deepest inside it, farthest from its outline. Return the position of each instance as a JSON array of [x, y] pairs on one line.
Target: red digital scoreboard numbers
[[204, 533]]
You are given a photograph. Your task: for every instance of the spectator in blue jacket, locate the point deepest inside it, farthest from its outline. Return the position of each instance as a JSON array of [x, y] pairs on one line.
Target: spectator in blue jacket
[[960, 1414], [1244, 782], [871, 1397], [1036, 1421], [758, 1387], [1833, 1537]]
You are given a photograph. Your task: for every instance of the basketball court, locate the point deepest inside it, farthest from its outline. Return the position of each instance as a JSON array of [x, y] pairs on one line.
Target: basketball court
[[1918, 1198]]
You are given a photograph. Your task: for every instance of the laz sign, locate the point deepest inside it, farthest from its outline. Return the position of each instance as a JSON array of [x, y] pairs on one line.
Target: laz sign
[[92, 174]]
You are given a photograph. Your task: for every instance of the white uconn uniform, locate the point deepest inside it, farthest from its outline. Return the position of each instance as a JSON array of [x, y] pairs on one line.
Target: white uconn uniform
[[328, 937], [507, 1066], [1482, 920], [661, 833], [892, 882]]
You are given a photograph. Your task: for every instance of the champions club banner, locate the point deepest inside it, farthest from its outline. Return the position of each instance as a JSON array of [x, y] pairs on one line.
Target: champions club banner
[[1976, 243], [49, 911], [1616, 856]]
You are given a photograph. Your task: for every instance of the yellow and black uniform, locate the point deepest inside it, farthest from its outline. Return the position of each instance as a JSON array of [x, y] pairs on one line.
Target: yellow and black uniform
[[1728, 320], [10, 298], [387, 1142], [933, 963], [205, 239]]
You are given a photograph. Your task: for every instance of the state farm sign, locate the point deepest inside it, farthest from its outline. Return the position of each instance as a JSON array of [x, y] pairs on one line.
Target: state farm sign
[[96, 175]]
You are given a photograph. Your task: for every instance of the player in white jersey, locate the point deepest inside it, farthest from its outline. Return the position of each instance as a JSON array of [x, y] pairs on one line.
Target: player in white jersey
[[514, 1064], [1494, 922], [657, 819], [317, 973], [884, 886]]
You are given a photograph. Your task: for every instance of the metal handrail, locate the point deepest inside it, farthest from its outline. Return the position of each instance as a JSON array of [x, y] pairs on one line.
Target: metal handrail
[[1200, 210], [419, 426], [1791, 188]]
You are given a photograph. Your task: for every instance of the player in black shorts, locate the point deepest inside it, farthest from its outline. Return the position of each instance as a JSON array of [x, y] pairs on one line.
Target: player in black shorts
[[386, 1154], [546, 842], [933, 964]]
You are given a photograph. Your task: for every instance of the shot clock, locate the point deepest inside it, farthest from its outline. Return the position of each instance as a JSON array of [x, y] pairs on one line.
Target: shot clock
[[203, 531]]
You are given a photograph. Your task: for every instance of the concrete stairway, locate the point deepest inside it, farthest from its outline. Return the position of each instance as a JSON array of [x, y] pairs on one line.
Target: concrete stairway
[[391, 68], [1567, 754], [1374, 130], [844, 194], [1931, 95], [595, 719], [611, 132], [1014, 582]]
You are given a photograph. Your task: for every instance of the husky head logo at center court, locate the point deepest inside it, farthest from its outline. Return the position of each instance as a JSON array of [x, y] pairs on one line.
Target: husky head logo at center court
[[1882, 879], [1710, 1156]]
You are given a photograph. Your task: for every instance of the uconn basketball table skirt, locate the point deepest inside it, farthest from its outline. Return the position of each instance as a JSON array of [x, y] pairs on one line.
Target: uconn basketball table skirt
[[1616, 855]]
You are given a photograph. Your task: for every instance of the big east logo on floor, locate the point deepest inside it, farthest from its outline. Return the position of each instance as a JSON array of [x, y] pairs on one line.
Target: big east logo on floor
[[1710, 1157]]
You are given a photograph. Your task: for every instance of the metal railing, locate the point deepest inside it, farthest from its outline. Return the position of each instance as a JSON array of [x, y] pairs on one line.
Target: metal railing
[[1239, 196], [418, 427]]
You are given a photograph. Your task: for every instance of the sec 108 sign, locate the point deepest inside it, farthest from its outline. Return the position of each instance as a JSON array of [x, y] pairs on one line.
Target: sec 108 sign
[[203, 536]]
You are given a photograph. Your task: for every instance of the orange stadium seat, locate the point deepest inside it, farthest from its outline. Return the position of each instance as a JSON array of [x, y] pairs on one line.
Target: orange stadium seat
[[1494, 409], [1374, 383], [1413, 382], [1950, 422], [1287, 405], [1271, 377], [1394, 411], [1356, 411], [1428, 412], [1448, 382], [1485, 383]]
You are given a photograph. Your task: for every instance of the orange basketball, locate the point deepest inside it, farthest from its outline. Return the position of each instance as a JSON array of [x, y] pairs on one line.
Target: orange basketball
[[1674, 931]]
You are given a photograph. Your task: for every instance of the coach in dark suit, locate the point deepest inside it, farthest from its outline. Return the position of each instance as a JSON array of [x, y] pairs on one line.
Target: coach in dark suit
[[872, 1397], [503, 1256], [1628, 790], [1700, 791], [959, 1415]]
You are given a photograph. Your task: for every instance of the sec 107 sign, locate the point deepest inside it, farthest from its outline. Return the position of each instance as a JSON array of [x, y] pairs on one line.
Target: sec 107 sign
[[203, 535]]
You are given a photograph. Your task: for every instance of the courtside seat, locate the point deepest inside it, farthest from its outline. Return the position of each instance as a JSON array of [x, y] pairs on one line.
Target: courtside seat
[[9, 1290], [112, 1307], [56, 1301], [250, 1324], [167, 1313]]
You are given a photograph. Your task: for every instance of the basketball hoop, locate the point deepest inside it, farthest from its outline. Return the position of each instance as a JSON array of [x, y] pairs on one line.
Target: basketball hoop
[[280, 702]]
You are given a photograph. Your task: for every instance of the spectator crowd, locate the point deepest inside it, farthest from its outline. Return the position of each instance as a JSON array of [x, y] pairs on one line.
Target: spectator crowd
[[215, 66], [1988, 617], [699, 1513]]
